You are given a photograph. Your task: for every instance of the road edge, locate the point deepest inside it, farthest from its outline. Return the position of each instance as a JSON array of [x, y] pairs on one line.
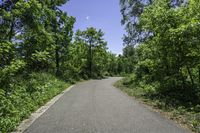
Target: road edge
[[25, 124], [150, 107]]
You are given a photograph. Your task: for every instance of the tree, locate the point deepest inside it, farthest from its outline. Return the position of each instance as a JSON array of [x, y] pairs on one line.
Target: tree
[[168, 59], [34, 32], [93, 39], [131, 11]]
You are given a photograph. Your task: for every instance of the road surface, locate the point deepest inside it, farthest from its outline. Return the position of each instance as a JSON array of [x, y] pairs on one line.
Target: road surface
[[95, 106]]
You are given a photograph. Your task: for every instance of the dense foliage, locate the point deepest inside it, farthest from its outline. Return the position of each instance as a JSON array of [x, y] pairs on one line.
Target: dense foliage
[[26, 95], [165, 56], [39, 53], [34, 36], [168, 59], [131, 11], [35, 44]]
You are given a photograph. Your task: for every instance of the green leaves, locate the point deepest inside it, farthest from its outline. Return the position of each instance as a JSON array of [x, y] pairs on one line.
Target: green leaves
[[6, 48], [9, 71], [169, 54], [95, 50], [36, 36], [26, 96], [41, 56]]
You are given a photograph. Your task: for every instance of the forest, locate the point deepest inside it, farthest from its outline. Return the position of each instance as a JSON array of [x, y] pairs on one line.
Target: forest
[[163, 55], [41, 55]]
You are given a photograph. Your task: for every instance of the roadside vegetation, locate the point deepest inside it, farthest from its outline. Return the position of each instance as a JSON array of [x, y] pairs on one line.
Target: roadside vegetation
[[170, 107], [162, 56], [25, 96], [39, 57]]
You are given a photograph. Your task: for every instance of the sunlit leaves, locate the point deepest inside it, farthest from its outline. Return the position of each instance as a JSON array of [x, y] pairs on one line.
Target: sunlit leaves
[[170, 54]]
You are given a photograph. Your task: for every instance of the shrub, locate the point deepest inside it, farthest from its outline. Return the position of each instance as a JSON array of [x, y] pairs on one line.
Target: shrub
[[26, 96]]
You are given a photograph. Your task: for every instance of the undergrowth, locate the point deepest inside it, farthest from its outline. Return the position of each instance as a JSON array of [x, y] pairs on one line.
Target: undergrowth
[[173, 103], [24, 96]]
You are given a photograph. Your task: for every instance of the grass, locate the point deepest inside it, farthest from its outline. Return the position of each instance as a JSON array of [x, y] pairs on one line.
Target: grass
[[25, 95], [188, 116]]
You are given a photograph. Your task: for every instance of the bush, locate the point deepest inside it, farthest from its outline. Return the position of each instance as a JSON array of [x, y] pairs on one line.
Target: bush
[[129, 80], [26, 96]]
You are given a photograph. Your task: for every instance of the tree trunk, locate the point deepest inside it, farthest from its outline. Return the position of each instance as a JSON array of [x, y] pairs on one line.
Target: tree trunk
[[199, 74], [11, 31], [190, 75], [90, 60], [182, 78], [57, 61]]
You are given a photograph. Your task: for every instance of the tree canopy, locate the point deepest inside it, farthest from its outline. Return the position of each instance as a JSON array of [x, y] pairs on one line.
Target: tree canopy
[[168, 58], [36, 36]]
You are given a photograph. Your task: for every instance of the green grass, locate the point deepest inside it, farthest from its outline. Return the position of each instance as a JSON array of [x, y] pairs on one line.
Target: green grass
[[25, 95], [188, 116]]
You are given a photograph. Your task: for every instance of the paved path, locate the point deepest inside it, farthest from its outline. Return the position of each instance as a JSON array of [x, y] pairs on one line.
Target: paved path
[[95, 106]]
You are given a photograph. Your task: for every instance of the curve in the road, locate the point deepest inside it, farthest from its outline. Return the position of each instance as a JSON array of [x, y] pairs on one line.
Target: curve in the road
[[95, 106]]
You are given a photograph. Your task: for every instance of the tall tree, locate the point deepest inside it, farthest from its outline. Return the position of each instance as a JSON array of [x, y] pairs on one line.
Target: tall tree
[[168, 60], [94, 40], [131, 11]]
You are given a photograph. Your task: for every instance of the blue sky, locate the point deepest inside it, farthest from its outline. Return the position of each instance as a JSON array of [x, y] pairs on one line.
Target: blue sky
[[101, 14]]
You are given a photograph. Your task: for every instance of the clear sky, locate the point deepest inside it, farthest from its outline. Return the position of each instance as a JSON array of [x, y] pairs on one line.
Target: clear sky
[[101, 14]]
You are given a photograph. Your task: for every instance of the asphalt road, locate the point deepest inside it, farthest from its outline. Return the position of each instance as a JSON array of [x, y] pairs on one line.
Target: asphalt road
[[95, 106]]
